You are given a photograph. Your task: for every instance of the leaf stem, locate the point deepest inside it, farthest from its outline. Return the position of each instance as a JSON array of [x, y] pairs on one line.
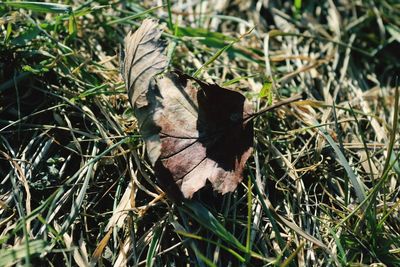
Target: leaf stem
[[276, 105]]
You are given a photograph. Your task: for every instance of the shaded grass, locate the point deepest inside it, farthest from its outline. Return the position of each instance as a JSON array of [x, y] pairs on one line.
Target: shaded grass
[[322, 187]]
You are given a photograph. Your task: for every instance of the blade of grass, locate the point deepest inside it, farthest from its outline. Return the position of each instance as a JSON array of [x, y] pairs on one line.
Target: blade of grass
[[265, 203], [184, 228], [207, 261], [373, 192], [170, 24], [275, 217], [135, 16], [11, 256], [237, 79], [219, 53], [363, 138], [393, 131], [52, 210], [275, 33], [207, 219], [40, 6], [18, 199], [249, 216], [155, 240], [297, 4], [81, 195], [231, 251], [100, 247], [291, 257], [358, 185], [342, 252]]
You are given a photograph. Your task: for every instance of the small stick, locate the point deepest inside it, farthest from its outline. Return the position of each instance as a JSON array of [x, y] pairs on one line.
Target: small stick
[[276, 105]]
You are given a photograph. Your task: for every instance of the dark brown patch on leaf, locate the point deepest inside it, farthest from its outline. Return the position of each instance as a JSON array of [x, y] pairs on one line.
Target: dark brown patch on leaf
[[193, 130]]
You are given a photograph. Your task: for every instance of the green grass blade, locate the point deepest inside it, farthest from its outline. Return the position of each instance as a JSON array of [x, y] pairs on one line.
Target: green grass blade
[[358, 185], [213, 58], [11, 256], [219, 53], [393, 131], [292, 256], [170, 24], [207, 220], [82, 193], [249, 215], [153, 246], [231, 251], [40, 6], [341, 250], [135, 16]]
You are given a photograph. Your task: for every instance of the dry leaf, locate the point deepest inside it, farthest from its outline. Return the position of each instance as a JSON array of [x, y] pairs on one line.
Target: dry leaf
[[194, 131]]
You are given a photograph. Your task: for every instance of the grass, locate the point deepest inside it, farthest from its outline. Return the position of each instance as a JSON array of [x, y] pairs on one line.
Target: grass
[[322, 187]]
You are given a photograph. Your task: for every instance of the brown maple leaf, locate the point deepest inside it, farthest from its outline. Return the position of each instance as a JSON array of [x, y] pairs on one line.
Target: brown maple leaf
[[194, 131]]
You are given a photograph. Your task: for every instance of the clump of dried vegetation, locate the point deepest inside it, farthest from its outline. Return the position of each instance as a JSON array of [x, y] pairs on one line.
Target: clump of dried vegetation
[[322, 185]]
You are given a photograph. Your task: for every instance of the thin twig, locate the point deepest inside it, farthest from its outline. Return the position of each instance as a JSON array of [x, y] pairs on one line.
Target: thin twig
[[276, 105]]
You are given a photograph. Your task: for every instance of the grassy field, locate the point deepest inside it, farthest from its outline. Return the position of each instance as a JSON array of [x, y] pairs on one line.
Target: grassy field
[[322, 187]]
